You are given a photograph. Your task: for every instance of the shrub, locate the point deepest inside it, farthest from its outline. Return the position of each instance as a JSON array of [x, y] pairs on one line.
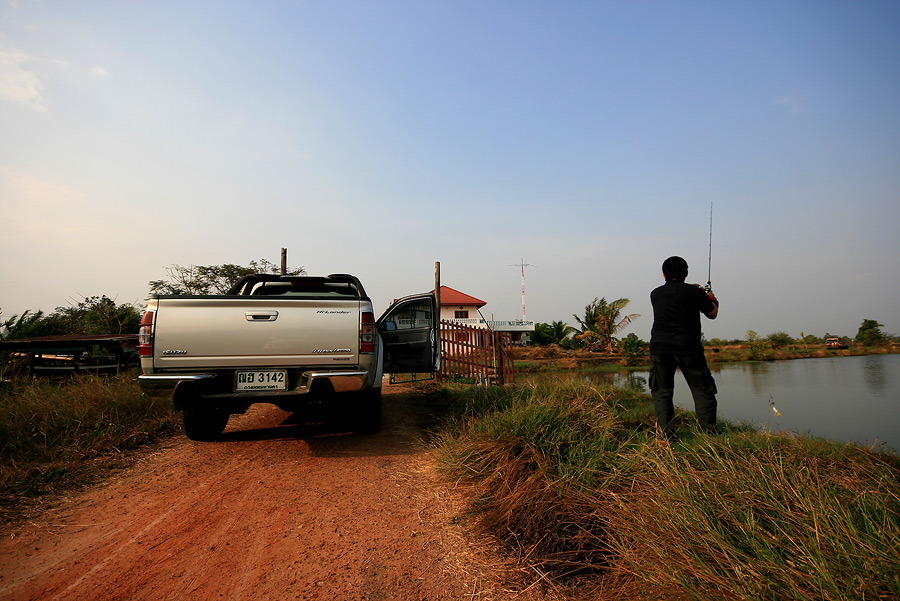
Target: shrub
[[632, 348], [757, 346], [870, 333], [571, 344], [780, 339]]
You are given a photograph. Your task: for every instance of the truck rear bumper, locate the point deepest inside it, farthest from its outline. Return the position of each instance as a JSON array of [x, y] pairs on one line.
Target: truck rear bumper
[[342, 381], [165, 384], [220, 384]]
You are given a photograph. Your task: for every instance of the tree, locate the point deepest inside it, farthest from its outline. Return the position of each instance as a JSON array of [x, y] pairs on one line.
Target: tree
[[602, 320], [870, 333], [757, 346], [211, 279], [26, 325], [98, 315], [94, 315], [570, 343], [589, 333], [551, 333], [780, 339], [632, 348], [542, 335], [560, 330]]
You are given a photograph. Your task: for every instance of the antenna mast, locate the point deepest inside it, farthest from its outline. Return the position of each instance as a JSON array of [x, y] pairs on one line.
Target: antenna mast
[[523, 265]]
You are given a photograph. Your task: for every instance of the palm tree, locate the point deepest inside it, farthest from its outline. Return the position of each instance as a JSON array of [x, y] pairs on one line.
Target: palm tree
[[560, 330], [590, 330], [602, 320], [612, 320]]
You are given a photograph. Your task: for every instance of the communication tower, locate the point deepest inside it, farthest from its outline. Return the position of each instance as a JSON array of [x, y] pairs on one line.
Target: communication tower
[[523, 265]]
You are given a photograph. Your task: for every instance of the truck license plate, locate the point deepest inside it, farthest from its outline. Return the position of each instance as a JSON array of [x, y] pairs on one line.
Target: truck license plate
[[263, 379]]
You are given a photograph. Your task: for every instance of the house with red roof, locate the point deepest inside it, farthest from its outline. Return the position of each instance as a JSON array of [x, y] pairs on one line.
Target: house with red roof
[[463, 308], [459, 306]]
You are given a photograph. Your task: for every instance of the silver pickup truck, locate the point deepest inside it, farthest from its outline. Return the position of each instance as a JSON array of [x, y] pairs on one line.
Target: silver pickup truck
[[285, 340]]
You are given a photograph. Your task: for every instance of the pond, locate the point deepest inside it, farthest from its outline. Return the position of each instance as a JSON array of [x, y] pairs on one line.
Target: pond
[[839, 398]]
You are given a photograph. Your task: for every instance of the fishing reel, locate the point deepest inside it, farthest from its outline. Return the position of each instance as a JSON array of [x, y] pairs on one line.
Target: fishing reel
[[710, 293]]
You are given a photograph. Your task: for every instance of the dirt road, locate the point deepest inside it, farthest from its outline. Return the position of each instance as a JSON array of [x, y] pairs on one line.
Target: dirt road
[[284, 507]]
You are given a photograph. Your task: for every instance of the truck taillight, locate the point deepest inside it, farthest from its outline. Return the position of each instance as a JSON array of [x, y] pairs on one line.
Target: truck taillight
[[367, 332], [145, 338]]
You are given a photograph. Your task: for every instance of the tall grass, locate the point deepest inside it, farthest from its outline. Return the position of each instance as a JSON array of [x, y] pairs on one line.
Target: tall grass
[[49, 428], [764, 517], [573, 479]]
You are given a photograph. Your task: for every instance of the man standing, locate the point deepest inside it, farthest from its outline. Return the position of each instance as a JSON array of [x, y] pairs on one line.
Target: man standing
[[675, 343]]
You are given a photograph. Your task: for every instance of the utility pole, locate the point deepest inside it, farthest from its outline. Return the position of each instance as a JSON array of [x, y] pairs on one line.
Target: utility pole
[[523, 265], [283, 261], [437, 288]]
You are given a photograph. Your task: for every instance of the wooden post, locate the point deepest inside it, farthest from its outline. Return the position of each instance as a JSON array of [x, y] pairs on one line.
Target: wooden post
[[283, 261], [437, 286], [437, 300]]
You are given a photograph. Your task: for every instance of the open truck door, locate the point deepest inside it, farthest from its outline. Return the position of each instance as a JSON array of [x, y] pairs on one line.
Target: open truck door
[[410, 334]]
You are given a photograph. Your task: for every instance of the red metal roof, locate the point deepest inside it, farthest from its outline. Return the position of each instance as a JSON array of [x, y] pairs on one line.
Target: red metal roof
[[449, 296]]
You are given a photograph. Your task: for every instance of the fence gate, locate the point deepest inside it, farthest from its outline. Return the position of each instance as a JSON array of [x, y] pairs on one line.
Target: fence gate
[[475, 354]]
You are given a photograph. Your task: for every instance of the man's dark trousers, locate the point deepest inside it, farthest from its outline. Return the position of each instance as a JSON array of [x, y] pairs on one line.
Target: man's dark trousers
[[698, 377]]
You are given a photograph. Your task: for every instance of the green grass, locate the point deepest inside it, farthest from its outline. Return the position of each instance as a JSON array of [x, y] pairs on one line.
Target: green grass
[[574, 480], [526, 366], [51, 429]]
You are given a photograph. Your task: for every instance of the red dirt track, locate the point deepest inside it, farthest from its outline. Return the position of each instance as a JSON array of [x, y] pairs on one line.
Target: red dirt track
[[281, 508]]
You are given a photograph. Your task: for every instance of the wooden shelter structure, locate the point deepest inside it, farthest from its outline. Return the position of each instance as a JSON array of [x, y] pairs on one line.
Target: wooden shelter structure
[[55, 354]]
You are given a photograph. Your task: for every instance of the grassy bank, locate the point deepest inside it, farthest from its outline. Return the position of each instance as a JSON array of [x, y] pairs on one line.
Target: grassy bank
[[553, 358], [572, 479], [752, 352], [54, 433]]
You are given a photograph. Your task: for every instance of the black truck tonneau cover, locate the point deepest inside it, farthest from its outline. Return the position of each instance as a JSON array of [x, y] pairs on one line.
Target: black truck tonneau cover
[[262, 284]]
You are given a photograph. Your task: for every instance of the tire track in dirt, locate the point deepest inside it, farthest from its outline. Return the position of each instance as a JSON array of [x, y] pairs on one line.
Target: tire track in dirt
[[283, 507]]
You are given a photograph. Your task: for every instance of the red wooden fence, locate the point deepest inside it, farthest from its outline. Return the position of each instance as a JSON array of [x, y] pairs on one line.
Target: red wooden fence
[[475, 353]]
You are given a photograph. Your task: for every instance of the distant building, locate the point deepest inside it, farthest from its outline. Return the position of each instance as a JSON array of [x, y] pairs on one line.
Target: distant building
[[462, 308]]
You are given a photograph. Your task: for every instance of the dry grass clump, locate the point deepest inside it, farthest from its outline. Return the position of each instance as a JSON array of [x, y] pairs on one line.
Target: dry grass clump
[[529, 353], [49, 428], [554, 358], [543, 526], [573, 480], [533, 465]]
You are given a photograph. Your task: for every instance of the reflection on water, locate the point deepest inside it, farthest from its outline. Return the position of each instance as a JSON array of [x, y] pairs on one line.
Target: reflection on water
[[876, 380], [635, 382], [759, 376], [840, 398], [625, 379]]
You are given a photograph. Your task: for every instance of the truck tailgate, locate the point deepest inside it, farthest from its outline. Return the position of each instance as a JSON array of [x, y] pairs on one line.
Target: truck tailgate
[[264, 332]]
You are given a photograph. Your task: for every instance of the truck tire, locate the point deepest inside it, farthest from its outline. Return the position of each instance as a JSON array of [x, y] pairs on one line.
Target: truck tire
[[204, 423], [365, 411]]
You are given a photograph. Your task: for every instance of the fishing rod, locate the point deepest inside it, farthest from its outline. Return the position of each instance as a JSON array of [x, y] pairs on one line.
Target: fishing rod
[[709, 265]]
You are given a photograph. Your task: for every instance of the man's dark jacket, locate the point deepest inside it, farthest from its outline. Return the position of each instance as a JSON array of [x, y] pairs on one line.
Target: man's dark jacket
[[676, 318]]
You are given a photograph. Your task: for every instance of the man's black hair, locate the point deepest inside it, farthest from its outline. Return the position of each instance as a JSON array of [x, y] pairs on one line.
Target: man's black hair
[[675, 268]]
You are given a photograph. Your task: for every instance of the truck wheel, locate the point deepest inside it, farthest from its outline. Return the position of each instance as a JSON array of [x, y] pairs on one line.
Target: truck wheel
[[204, 423], [366, 411]]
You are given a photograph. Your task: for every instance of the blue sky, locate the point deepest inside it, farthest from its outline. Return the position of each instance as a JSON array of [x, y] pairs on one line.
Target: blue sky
[[375, 138]]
